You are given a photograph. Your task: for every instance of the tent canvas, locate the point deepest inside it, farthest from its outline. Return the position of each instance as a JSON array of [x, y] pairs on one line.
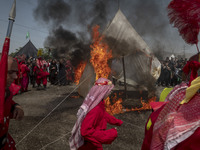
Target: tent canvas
[[141, 65], [123, 39], [29, 50]]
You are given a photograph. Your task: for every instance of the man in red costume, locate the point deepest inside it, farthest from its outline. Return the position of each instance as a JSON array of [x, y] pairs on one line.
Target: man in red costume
[[25, 77], [89, 132], [38, 72], [12, 110], [45, 74], [176, 124]]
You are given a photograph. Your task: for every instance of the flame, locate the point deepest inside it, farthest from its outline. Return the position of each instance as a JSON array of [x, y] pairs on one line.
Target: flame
[[117, 108], [100, 54], [145, 106], [78, 72], [75, 96]]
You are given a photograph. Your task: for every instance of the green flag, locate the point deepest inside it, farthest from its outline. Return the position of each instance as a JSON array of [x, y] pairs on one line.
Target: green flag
[[27, 35]]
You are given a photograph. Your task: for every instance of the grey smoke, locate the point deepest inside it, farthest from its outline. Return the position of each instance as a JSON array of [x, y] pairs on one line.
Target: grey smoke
[[76, 19], [52, 11], [70, 24], [61, 39]]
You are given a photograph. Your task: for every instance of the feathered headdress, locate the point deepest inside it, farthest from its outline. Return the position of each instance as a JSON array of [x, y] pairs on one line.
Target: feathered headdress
[[185, 15]]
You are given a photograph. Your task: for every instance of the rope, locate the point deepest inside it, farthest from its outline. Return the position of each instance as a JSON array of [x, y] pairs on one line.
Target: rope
[[54, 141], [70, 132], [133, 125], [51, 111]]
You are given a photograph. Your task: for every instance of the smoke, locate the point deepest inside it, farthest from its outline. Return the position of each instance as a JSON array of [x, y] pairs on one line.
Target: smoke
[[70, 23], [159, 50], [148, 17], [52, 11]]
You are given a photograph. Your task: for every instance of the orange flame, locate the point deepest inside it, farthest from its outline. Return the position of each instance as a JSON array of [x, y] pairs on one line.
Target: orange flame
[[145, 106], [100, 54], [75, 96], [117, 108], [78, 72]]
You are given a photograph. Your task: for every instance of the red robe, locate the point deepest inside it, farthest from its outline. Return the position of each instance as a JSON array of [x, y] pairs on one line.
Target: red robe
[[38, 71], [191, 143], [93, 128], [8, 105], [44, 77], [25, 78]]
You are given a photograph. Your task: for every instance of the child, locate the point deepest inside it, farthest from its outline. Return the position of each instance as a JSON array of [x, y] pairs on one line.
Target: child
[[89, 132]]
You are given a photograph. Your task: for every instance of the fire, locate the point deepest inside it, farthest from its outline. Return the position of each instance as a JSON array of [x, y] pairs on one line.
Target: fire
[[75, 96], [117, 108], [100, 54], [78, 72], [145, 106]]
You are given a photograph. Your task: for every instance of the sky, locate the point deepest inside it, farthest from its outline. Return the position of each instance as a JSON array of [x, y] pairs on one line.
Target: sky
[[147, 26], [24, 22]]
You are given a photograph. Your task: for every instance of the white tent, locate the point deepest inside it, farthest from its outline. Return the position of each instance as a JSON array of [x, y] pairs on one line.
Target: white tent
[[125, 41], [141, 65]]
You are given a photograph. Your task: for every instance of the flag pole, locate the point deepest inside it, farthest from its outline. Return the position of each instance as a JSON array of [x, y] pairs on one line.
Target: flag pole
[[4, 60]]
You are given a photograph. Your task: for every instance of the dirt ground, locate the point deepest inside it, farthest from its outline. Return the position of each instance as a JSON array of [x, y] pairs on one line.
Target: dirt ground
[[36, 131]]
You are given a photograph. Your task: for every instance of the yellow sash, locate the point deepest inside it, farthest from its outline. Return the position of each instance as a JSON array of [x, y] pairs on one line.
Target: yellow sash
[[191, 91]]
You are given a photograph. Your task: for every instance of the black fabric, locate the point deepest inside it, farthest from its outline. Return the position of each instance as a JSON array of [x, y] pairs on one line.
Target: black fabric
[[53, 73], [13, 106], [62, 75], [3, 141]]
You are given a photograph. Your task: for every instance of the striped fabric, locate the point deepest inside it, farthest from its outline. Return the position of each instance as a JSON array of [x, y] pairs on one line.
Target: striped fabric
[[95, 95], [176, 122]]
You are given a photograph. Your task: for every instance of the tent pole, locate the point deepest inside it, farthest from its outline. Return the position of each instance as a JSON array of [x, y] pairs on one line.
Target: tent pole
[[125, 90]]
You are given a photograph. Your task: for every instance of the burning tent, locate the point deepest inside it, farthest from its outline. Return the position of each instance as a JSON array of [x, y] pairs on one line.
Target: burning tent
[[140, 63], [125, 41]]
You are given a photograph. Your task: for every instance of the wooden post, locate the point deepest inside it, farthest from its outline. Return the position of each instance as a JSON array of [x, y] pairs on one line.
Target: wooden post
[[124, 71]]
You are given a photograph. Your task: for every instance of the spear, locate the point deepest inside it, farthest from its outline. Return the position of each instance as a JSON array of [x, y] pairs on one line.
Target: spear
[[4, 61]]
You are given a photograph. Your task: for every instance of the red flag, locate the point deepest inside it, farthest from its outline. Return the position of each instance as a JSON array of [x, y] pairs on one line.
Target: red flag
[[3, 76]]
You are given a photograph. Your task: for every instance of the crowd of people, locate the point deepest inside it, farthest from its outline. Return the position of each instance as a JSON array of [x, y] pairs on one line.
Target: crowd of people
[[37, 72], [177, 116], [174, 122], [171, 71]]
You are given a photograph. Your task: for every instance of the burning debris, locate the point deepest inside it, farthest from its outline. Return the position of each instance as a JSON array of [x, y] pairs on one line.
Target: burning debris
[[119, 39], [114, 104], [78, 72], [145, 105], [100, 55], [114, 107]]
